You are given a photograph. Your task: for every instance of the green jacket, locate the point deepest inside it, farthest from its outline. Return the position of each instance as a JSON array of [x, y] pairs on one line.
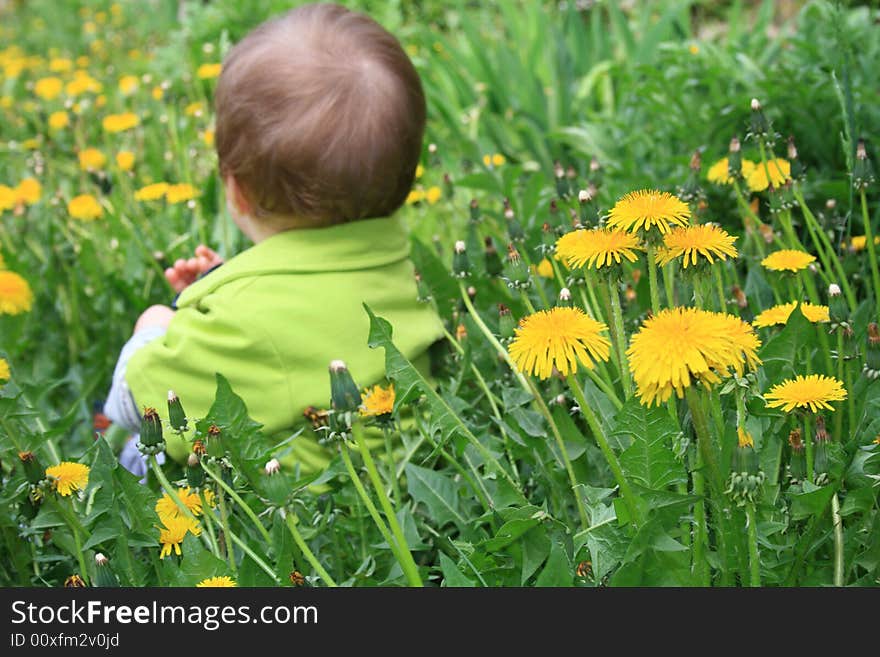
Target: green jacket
[[272, 318]]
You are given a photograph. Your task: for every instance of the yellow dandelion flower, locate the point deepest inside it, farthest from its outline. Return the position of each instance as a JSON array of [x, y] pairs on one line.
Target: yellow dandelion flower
[[125, 160], [4, 370], [780, 314], [193, 109], [217, 582], [420, 170], [691, 241], [28, 191], [120, 122], [433, 194], [82, 83], [859, 242], [544, 269], [58, 120], [208, 137], [82, 61], [67, 477], [31, 144], [813, 391], [100, 101], [208, 71], [780, 171], [415, 196], [377, 401], [8, 198], [173, 533], [85, 207], [128, 84], [596, 248], [788, 260], [157, 93], [744, 438], [647, 208], [60, 65], [680, 346], [560, 337], [494, 160], [719, 172], [180, 192], [15, 294], [151, 192], [91, 159], [166, 507], [48, 88]]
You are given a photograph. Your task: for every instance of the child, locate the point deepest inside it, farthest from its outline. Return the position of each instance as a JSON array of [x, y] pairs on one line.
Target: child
[[320, 117]]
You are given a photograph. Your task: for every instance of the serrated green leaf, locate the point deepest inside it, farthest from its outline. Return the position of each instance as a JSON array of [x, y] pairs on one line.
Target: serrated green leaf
[[437, 492], [649, 460]]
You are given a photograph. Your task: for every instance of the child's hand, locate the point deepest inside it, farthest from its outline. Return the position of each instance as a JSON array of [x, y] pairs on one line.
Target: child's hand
[[185, 272]]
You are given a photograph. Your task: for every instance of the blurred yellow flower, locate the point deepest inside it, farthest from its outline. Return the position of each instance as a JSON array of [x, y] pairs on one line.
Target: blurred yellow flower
[[15, 294], [433, 194], [60, 65], [208, 71], [719, 172], [180, 192], [128, 84], [28, 191], [48, 88], [85, 207], [125, 160], [4, 370], [31, 144], [208, 137], [859, 242], [415, 196], [81, 83], [545, 268], [100, 101], [420, 170], [91, 159], [780, 171], [788, 260], [7, 198], [157, 93], [217, 582], [494, 160], [68, 477], [193, 109], [82, 61], [58, 120], [151, 192], [120, 122]]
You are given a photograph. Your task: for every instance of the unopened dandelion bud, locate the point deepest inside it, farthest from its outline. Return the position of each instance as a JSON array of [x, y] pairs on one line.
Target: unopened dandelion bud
[[795, 440], [195, 476], [151, 430], [514, 228], [475, 210], [33, 469], [696, 162], [872, 352], [548, 239], [562, 184], [214, 442], [739, 296], [461, 266], [273, 466], [345, 396], [838, 310], [432, 148], [506, 323], [564, 298], [759, 125], [104, 576], [560, 400], [734, 159], [176, 416], [448, 186], [584, 196], [494, 267], [822, 435], [863, 170], [516, 272]]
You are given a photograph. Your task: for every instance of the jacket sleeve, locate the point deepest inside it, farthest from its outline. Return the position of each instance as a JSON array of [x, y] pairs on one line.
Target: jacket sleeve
[[201, 341]]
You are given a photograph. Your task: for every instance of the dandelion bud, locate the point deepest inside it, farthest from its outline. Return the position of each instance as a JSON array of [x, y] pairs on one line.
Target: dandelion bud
[[734, 159], [795, 440], [739, 296], [696, 161], [821, 432], [792, 149], [432, 148], [760, 126], [33, 469], [584, 196], [345, 396], [514, 228], [461, 266], [872, 352], [104, 576], [506, 323], [423, 292], [151, 431], [562, 185], [564, 297], [548, 239], [560, 400], [863, 170], [448, 186], [834, 290], [475, 210], [797, 168], [838, 310], [516, 272], [558, 171], [629, 294], [74, 582], [176, 416], [215, 442], [273, 466], [493, 260], [594, 164], [756, 105]]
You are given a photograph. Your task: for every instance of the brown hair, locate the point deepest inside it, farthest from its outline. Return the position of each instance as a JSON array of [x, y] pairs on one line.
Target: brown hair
[[320, 116]]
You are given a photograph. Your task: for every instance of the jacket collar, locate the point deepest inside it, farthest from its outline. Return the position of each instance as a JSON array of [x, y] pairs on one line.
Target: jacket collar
[[343, 247]]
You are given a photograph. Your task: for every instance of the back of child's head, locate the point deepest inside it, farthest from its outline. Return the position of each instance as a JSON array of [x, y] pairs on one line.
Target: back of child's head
[[320, 117]]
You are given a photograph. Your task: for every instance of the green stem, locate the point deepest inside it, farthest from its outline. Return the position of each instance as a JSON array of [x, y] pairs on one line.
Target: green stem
[[209, 525], [872, 251], [701, 530], [563, 452], [605, 387], [620, 338], [390, 465], [652, 279], [629, 497], [76, 529], [837, 524], [719, 286], [368, 502], [838, 417], [527, 302], [408, 563], [754, 558], [169, 489], [669, 283], [290, 521], [227, 534], [244, 506], [257, 560], [808, 443]]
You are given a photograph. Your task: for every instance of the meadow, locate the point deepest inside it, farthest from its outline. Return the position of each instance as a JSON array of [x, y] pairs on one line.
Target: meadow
[[650, 229]]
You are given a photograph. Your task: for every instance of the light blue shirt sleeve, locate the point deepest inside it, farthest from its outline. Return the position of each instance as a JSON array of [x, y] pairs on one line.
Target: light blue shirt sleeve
[[120, 405]]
